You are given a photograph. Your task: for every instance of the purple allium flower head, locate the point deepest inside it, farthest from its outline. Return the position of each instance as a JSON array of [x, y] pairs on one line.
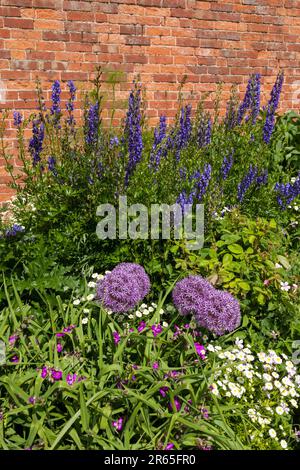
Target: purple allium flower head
[[123, 288], [220, 313], [200, 350], [189, 293], [17, 119], [118, 424], [71, 378], [133, 132], [36, 142], [44, 372], [271, 108], [169, 446], [116, 337], [56, 374], [156, 329]]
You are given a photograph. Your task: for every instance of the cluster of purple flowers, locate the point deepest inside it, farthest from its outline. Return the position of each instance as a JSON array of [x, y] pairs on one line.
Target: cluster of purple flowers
[[226, 165], [184, 131], [251, 101], [56, 375], [133, 132], [14, 230], [92, 124], [246, 182], [55, 108], [17, 119], [123, 288], [157, 150], [286, 193], [51, 165], [36, 141], [271, 108], [215, 310], [70, 103], [202, 181], [204, 131]]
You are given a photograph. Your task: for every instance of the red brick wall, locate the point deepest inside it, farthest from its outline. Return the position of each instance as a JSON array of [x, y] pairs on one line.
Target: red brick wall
[[162, 40]]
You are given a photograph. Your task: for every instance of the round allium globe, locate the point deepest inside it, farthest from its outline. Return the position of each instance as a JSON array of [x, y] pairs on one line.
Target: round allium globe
[[123, 288], [190, 293], [220, 314]]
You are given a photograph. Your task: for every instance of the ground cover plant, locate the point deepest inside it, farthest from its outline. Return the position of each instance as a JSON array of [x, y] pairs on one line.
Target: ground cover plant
[[147, 344]]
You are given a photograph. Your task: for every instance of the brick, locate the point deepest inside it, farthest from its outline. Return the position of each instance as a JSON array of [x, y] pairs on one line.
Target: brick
[[137, 40], [18, 23]]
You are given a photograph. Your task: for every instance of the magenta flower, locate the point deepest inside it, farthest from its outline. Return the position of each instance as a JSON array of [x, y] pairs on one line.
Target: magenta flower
[[163, 391], [60, 335], [32, 400], [15, 359], [59, 347], [117, 337], [169, 446], [71, 378], [155, 365], [12, 339], [156, 329], [118, 424], [56, 374], [200, 350], [141, 326], [177, 404], [69, 329], [44, 372]]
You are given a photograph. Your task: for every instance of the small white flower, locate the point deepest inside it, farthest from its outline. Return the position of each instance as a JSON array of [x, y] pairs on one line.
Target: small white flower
[[278, 265], [151, 309], [272, 433], [143, 306], [261, 356], [285, 286], [109, 312], [165, 324], [279, 410], [138, 314], [268, 386], [76, 302], [145, 312], [275, 375], [90, 297], [66, 288], [154, 305], [130, 316], [100, 277], [107, 272], [95, 276], [85, 320], [267, 377], [210, 348], [92, 284], [83, 299], [294, 403], [283, 444], [161, 312], [214, 389], [86, 310]]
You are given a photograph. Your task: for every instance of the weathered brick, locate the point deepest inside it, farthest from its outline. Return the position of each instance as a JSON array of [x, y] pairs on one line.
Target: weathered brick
[[18, 23]]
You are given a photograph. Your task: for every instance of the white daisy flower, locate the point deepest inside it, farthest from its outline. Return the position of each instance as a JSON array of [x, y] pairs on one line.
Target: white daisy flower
[[90, 297], [283, 444], [84, 321], [76, 302], [138, 314], [92, 284], [272, 433]]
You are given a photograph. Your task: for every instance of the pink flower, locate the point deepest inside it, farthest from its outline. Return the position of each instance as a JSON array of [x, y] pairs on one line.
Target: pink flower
[[177, 404], [12, 339], [56, 374], [44, 372], [267, 282], [117, 337], [169, 446], [200, 350], [163, 391], [71, 378], [59, 347], [118, 424], [156, 329], [141, 326], [155, 365]]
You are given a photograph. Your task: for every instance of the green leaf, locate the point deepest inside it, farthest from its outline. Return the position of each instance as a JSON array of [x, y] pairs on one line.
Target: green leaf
[[236, 249]]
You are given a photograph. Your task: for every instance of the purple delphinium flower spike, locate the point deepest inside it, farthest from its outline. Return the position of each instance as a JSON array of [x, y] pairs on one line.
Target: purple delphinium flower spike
[[272, 107], [17, 119], [36, 141], [133, 132]]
